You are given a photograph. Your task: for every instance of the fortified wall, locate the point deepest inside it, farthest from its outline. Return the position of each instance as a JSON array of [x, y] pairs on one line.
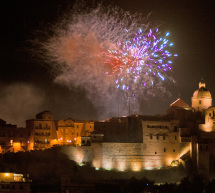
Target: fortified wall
[[123, 156]]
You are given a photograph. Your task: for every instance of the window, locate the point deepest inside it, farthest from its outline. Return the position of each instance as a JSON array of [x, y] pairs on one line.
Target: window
[[155, 152], [164, 137], [210, 114], [157, 137], [200, 102], [173, 150], [164, 149], [150, 136]]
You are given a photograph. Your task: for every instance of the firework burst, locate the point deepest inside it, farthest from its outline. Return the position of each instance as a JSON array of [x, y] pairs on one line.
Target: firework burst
[[140, 61], [101, 49]]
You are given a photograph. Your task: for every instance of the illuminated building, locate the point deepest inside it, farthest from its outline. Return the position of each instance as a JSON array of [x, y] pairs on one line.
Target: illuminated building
[[14, 183], [201, 99], [42, 131], [139, 142], [69, 132], [12, 138]]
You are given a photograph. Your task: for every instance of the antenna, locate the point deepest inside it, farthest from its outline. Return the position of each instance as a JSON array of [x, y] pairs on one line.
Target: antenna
[[129, 106]]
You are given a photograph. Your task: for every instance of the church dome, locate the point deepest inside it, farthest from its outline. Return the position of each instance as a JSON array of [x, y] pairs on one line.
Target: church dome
[[202, 92]]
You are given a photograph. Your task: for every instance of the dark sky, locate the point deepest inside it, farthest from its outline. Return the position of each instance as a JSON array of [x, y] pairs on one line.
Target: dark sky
[[27, 85]]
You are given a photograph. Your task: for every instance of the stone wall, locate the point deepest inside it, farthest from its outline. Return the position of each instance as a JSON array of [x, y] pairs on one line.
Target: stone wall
[[123, 156]]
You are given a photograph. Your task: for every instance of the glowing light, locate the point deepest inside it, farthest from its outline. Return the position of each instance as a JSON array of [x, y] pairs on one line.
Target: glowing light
[[80, 164], [11, 142], [136, 166], [185, 150], [107, 165], [149, 168], [175, 163], [121, 165]]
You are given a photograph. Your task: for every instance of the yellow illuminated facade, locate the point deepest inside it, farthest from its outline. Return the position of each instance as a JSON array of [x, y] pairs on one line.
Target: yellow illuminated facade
[[42, 131], [69, 132], [46, 132]]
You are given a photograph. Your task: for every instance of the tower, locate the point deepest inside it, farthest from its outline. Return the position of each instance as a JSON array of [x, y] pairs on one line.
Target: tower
[[201, 99]]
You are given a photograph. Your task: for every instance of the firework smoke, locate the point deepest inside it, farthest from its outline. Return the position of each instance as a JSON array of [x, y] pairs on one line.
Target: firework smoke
[[76, 50], [20, 102]]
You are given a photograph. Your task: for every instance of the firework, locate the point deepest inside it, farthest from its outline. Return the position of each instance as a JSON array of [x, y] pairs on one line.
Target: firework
[[99, 49], [141, 61]]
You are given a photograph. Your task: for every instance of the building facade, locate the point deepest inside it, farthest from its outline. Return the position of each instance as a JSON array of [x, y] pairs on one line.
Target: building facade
[[42, 131], [69, 132], [14, 183]]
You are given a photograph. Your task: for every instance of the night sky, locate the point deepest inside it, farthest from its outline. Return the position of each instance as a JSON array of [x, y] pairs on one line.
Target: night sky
[[27, 85]]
